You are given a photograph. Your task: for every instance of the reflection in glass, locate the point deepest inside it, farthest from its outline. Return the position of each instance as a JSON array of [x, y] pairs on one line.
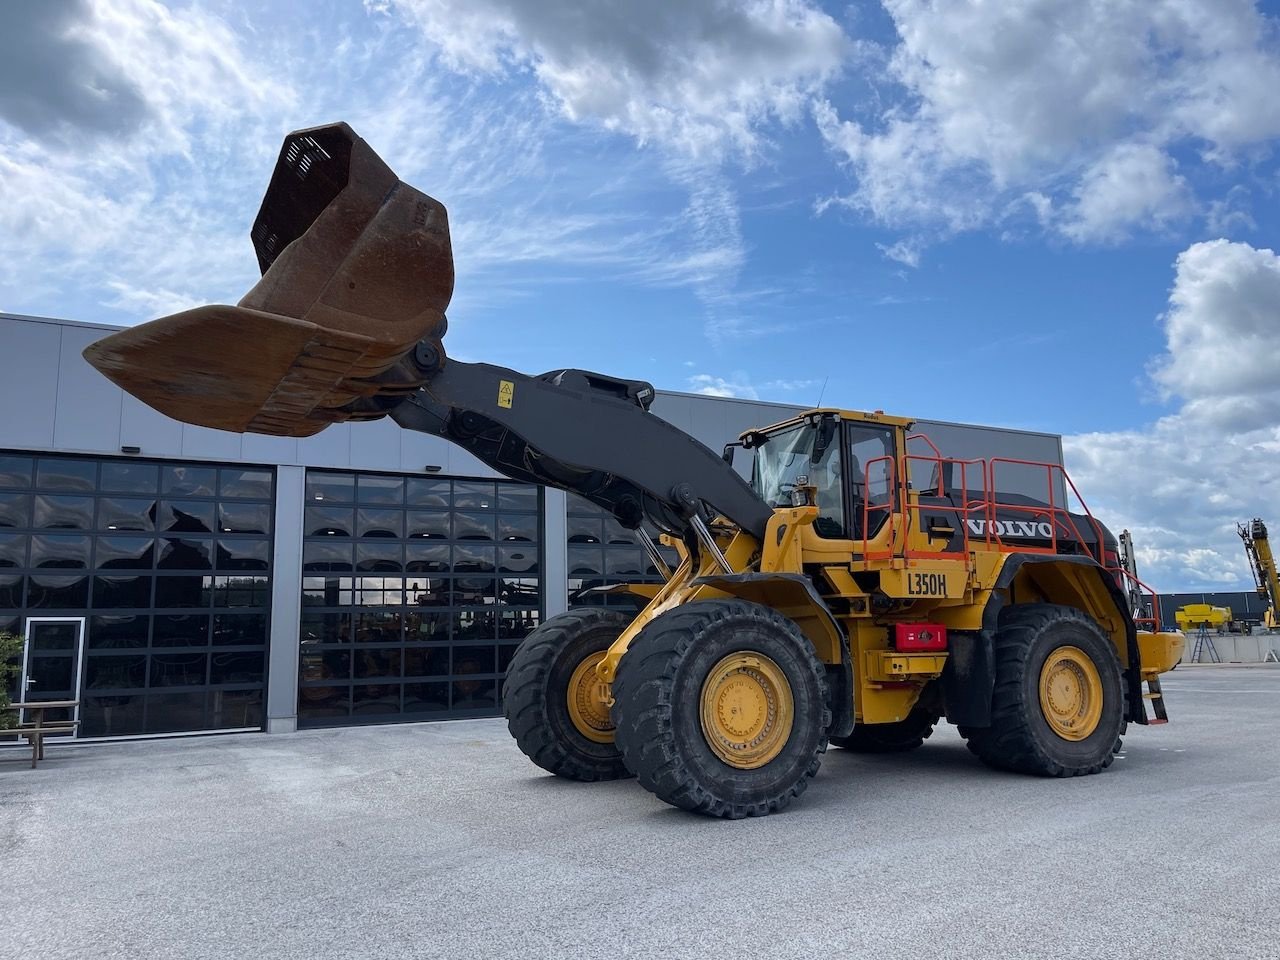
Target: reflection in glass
[[375, 699], [115, 672], [584, 530], [474, 495], [242, 482], [519, 528], [369, 662], [585, 561], [111, 716], [125, 553], [320, 665], [121, 476], [171, 712], [230, 709], [13, 550], [426, 557], [188, 480], [379, 523], [110, 633], [423, 625], [179, 669], [430, 493], [15, 471], [474, 526], [244, 518], [426, 698], [330, 487], [10, 597], [426, 661], [53, 551], [243, 555], [474, 695], [239, 629], [120, 513], [181, 554], [474, 625], [181, 630], [426, 525], [373, 557], [188, 591], [321, 555], [185, 516], [377, 627], [380, 490], [323, 521], [472, 559], [55, 512], [236, 667], [58, 473], [518, 560], [15, 509], [322, 702], [518, 496], [57, 593], [114, 592]]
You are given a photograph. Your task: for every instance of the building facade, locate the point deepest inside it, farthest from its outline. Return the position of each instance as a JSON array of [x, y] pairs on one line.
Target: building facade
[[177, 579]]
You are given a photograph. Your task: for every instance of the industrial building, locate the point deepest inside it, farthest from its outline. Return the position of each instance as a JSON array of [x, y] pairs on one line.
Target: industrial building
[[180, 579]]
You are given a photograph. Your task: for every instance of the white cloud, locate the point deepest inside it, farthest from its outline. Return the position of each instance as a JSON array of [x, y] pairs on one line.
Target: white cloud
[[1075, 107], [1182, 484], [695, 74], [739, 385]]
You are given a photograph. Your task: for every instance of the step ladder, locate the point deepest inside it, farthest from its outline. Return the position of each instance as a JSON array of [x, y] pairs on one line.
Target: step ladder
[[1203, 645], [1156, 696]]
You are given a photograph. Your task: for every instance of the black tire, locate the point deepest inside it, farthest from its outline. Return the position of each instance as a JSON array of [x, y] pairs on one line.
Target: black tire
[[535, 694], [1020, 738], [890, 737], [657, 708]]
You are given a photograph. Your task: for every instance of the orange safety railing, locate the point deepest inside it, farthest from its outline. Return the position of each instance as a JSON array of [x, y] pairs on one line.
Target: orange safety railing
[[1062, 525]]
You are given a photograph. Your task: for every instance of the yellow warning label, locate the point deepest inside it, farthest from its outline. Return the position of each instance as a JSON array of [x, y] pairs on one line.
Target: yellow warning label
[[506, 392]]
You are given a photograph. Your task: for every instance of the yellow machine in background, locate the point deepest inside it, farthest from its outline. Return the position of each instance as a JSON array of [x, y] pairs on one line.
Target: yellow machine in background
[[1196, 615], [1262, 563]]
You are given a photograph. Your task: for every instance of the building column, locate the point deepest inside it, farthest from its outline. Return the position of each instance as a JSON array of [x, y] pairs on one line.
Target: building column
[[555, 552], [286, 601]]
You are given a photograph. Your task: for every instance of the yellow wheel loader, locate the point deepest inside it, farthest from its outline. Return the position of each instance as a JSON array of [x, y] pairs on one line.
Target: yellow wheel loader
[[850, 593]]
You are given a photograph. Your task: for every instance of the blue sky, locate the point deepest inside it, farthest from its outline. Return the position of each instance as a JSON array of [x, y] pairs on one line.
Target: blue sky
[[1058, 215]]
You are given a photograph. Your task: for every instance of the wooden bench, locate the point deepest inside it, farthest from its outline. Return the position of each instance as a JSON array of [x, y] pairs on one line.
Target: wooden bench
[[35, 731]]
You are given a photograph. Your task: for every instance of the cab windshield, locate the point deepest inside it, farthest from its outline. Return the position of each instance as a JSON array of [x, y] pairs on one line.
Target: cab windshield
[[803, 455]]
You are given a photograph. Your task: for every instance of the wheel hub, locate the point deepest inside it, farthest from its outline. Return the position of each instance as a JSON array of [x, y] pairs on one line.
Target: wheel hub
[[1070, 693], [747, 710], [588, 701]]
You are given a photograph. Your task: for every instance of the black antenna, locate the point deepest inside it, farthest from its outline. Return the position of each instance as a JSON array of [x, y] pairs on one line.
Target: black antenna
[[822, 392]]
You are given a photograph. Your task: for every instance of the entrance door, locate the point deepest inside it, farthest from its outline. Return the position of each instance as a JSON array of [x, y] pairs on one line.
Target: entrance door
[[51, 663]]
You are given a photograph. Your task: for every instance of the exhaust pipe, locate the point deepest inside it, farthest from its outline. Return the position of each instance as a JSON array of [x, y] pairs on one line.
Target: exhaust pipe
[[357, 270]]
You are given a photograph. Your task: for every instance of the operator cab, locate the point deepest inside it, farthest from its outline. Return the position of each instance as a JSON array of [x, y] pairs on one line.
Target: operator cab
[[849, 463]]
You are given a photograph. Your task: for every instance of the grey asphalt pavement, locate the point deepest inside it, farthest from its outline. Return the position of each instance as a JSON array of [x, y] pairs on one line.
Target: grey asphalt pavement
[[441, 840]]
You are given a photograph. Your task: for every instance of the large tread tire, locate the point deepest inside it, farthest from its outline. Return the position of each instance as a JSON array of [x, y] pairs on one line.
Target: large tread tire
[[535, 694], [1020, 738], [897, 737], [657, 700]]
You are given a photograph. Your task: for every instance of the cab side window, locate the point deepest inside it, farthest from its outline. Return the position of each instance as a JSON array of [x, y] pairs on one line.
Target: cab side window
[[870, 477]]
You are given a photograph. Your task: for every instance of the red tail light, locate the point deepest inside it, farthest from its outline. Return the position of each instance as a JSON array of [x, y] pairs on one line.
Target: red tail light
[[919, 637]]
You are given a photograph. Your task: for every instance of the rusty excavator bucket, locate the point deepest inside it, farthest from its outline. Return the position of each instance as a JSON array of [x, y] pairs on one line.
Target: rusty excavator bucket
[[357, 271]]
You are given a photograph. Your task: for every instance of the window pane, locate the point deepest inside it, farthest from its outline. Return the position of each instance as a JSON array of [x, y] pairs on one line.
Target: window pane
[[131, 592], [512, 496], [326, 628], [426, 661], [329, 521], [474, 526], [518, 560], [185, 516], [474, 591], [375, 699], [380, 490], [240, 592], [585, 561], [181, 630], [125, 477], [475, 695], [522, 528], [323, 556], [519, 591], [583, 530], [15, 471], [244, 482], [475, 659], [115, 672], [327, 591], [244, 517], [59, 474], [235, 708], [243, 554], [379, 523], [422, 625], [239, 629], [60, 551], [10, 597], [619, 562], [192, 591], [374, 557], [125, 553], [329, 487], [320, 703], [427, 558], [372, 662], [180, 554], [171, 712], [13, 550], [179, 669], [426, 698], [423, 525], [63, 513], [472, 559], [110, 633], [236, 667], [516, 624], [474, 625], [319, 665], [187, 480], [15, 509], [430, 591], [117, 513], [430, 493], [58, 593], [614, 532], [474, 495], [111, 716]]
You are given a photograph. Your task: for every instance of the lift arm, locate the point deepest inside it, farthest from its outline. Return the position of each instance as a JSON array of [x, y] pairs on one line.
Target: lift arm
[[1261, 561], [347, 323]]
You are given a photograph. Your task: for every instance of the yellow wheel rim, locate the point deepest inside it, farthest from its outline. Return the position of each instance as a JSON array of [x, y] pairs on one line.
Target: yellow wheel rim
[[747, 710], [1070, 693], [588, 701]]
